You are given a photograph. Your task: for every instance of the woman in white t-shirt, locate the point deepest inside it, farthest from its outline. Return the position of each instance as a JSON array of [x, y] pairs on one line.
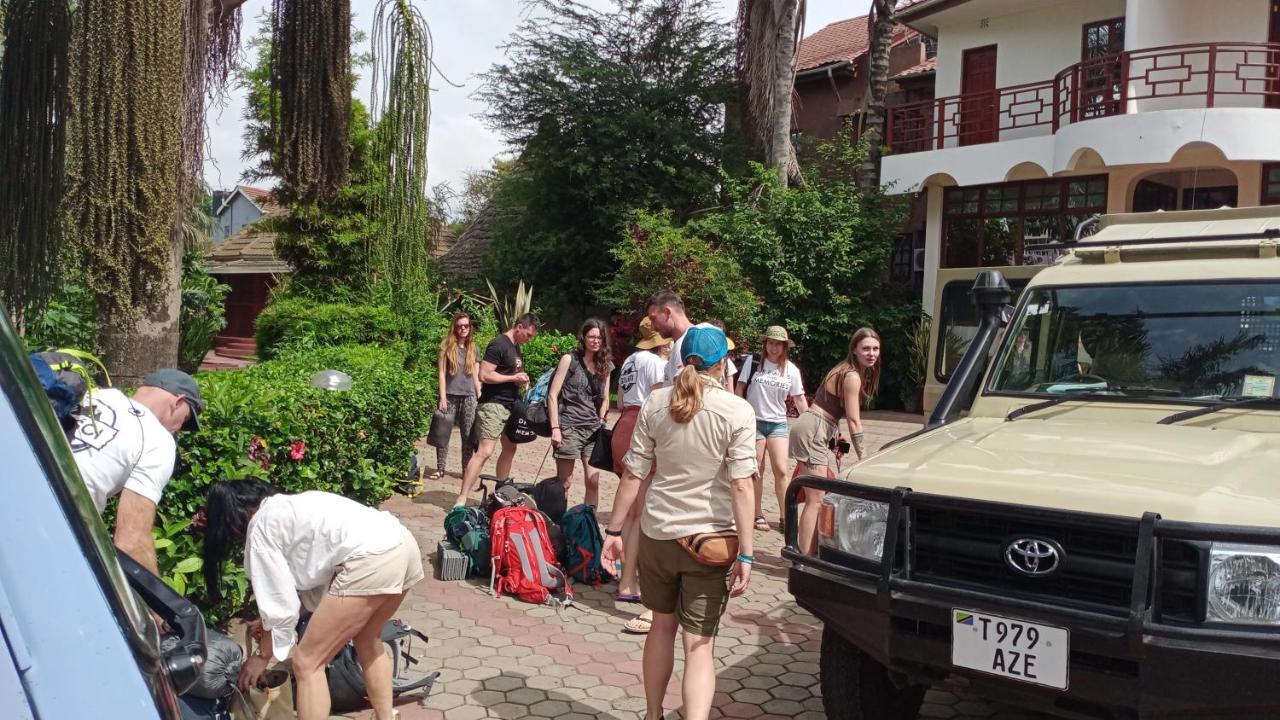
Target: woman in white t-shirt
[[767, 388], [640, 372], [349, 563]]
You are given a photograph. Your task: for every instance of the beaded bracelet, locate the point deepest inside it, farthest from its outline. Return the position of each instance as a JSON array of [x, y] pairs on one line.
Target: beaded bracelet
[[746, 559]]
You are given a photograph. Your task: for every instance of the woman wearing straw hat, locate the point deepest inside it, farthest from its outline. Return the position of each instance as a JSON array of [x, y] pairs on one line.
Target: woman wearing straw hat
[[766, 382], [640, 372]]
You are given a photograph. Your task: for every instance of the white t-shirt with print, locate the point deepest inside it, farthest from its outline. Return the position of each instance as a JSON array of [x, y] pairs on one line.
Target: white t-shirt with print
[[769, 389], [120, 444], [640, 372], [675, 363]]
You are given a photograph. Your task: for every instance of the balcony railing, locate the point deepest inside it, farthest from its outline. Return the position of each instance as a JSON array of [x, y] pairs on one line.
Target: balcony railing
[[1202, 75]]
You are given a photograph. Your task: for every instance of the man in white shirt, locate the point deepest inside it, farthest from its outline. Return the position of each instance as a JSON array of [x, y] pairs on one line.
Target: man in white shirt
[[667, 315], [125, 446]]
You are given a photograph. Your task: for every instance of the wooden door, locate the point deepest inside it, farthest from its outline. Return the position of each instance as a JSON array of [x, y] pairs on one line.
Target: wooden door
[[1102, 82], [980, 103]]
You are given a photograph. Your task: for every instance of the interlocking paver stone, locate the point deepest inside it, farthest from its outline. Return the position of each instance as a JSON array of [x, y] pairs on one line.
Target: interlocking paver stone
[[502, 658]]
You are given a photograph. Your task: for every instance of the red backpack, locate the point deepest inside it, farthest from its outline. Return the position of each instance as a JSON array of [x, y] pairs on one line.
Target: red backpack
[[524, 564]]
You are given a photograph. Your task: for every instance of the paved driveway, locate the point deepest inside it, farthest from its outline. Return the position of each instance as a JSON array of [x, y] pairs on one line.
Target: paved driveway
[[502, 658]]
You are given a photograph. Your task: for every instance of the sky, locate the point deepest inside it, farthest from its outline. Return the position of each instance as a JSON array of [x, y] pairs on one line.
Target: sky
[[468, 35]]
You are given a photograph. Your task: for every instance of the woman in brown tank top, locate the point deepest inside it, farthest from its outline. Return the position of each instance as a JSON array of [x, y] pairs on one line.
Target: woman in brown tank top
[[840, 395]]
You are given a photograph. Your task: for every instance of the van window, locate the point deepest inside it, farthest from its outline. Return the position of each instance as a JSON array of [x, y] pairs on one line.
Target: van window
[[958, 324]]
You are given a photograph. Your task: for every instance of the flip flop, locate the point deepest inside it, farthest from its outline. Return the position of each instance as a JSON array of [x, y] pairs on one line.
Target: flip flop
[[762, 524], [639, 625], [626, 598]]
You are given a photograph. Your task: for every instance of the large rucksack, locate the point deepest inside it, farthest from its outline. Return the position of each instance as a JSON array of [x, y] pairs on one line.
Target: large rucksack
[[583, 545], [347, 690], [462, 520], [523, 560]]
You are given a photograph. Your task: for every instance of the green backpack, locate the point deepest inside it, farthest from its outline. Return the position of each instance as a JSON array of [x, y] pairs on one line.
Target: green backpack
[[478, 549]]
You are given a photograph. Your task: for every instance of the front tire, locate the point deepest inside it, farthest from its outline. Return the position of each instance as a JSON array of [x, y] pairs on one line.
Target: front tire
[[856, 687]]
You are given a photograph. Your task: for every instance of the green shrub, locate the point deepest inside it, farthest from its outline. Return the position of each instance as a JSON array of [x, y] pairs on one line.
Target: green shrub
[[203, 313], [268, 422], [294, 322], [544, 351], [655, 254], [68, 320]]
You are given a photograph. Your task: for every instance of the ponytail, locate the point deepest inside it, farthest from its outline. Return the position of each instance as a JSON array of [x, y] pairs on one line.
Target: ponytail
[[226, 510], [686, 395]]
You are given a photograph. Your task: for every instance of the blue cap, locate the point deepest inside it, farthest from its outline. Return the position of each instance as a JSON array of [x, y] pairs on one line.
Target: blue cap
[[707, 343]]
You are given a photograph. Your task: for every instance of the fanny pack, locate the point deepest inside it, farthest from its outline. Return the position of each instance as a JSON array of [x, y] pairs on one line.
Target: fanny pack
[[717, 549]]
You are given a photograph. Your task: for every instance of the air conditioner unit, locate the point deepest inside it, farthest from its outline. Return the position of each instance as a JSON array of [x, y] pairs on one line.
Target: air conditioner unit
[[917, 260]]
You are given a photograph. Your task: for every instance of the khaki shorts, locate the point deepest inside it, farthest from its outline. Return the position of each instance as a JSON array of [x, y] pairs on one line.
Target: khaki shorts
[[672, 582], [386, 573], [810, 440], [491, 420], [576, 442]]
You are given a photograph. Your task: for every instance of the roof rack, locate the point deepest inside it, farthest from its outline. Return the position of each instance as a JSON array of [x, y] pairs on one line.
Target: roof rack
[[1271, 233]]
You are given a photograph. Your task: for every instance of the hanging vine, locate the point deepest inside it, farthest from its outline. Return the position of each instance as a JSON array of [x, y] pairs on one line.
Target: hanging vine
[[225, 19], [402, 112], [127, 101], [34, 96], [311, 78]]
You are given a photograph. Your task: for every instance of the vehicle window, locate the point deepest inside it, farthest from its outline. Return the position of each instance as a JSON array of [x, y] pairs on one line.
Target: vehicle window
[[1194, 340], [958, 324]]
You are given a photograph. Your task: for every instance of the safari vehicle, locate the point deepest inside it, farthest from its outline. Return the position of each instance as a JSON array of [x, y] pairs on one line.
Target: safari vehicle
[[1100, 536], [77, 638]]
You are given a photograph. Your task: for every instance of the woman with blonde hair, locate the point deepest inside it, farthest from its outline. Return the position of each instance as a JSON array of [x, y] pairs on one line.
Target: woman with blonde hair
[[849, 385], [459, 385], [696, 539]]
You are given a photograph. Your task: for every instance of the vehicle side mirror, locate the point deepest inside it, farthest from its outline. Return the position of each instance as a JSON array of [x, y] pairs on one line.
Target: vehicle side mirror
[[1006, 314], [184, 662]]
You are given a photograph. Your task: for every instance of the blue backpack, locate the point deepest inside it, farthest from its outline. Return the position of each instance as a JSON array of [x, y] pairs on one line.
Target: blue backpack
[[535, 404], [67, 376], [583, 544]]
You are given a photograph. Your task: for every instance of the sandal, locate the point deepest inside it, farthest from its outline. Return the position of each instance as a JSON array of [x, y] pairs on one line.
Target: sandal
[[762, 524], [639, 625], [626, 598], [437, 475]]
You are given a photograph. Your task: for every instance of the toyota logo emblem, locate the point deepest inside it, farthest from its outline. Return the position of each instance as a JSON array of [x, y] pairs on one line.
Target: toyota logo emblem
[[1033, 557]]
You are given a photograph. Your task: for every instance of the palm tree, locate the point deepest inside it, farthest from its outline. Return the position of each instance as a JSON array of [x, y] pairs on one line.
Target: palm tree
[[768, 35], [881, 27]]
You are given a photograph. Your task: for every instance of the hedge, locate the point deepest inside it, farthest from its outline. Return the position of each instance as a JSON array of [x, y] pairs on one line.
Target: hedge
[[292, 322], [268, 422]]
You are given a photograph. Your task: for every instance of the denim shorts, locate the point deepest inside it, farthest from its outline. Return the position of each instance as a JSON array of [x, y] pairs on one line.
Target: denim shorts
[[766, 429]]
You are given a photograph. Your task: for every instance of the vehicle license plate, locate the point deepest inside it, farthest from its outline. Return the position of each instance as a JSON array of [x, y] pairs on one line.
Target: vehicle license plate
[[1014, 649]]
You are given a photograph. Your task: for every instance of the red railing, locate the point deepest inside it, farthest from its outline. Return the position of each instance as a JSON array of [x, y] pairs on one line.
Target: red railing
[[1210, 74]]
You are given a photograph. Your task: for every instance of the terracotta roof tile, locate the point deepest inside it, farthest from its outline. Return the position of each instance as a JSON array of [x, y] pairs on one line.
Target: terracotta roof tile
[[841, 41], [251, 248], [923, 68], [262, 198]]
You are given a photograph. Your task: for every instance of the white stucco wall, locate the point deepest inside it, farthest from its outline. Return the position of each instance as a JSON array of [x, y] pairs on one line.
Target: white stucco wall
[[1032, 45], [1157, 23]]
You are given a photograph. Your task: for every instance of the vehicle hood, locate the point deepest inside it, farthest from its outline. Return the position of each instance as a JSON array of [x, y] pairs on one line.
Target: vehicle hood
[[1195, 474]]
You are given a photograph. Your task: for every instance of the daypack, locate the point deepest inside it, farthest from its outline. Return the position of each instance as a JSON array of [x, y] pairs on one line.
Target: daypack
[[476, 546], [549, 494], [462, 520], [535, 404], [67, 377], [583, 544], [523, 561], [347, 690]]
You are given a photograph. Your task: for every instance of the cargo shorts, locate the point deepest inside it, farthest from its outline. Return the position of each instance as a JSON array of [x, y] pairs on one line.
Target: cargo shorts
[[672, 582]]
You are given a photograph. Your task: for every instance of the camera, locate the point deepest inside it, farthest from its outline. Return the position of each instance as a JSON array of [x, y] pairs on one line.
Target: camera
[[839, 445]]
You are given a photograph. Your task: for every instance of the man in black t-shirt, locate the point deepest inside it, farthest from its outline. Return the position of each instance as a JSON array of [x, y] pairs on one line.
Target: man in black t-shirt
[[502, 379]]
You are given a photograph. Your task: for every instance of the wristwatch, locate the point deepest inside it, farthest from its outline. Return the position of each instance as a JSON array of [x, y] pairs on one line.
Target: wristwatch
[[613, 533]]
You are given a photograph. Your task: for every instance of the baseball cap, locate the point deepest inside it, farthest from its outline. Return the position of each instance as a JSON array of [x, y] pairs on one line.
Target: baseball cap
[[650, 338], [708, 344], [176, 382]]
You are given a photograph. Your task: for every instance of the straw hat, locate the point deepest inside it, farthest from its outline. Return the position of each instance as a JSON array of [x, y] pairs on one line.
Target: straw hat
[[779, 333], [650, 338]]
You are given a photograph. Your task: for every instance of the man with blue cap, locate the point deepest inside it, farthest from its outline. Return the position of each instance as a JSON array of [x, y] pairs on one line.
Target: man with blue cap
[[124, 446]]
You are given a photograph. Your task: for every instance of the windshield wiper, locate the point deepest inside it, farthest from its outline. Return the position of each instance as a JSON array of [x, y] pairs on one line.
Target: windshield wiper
[[1090, 394], [1233, 402]]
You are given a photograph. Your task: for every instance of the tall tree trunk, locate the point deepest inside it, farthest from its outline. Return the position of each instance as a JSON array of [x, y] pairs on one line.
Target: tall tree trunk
[[768, 34], [882, 23], [133, 348]]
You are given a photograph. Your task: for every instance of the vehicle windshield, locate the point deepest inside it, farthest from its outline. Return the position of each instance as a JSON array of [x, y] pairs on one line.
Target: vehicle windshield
[[1181, 341]]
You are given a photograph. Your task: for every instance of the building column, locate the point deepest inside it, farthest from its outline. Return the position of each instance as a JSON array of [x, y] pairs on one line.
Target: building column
[[932, 244]]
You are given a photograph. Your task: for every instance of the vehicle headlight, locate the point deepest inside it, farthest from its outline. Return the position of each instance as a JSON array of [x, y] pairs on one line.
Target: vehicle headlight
[[1244, 584], [853, 525]]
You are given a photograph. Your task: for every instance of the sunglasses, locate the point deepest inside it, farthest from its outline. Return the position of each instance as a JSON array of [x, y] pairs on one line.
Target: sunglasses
[[462, 326]]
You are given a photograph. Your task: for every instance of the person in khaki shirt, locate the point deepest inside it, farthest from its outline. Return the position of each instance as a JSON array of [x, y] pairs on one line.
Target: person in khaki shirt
[[699, 439]]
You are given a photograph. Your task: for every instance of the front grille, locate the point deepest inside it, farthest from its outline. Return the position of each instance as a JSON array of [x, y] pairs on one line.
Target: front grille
[[1179, 597], [965, 548]]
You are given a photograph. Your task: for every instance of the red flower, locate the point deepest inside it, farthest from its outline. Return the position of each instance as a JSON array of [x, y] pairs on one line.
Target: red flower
[[198, 520], [258, 452], [298, 450]]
